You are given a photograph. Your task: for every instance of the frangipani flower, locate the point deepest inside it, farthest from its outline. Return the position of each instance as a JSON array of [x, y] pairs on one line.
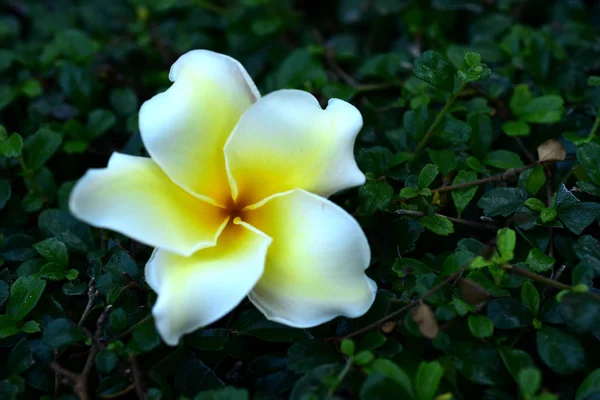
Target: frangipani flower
[[233, 199]]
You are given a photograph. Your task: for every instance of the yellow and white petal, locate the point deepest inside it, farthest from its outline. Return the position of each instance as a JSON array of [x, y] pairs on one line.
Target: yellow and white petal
[[198, 290], [133, 196], [315, 266], [185, 128], [287, 141]]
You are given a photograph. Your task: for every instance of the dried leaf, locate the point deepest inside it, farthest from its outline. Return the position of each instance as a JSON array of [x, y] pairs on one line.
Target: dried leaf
[[425, 319], [551, 150]]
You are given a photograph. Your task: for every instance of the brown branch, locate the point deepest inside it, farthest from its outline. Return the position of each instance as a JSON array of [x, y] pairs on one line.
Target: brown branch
[[542, 279], [444, 283], [78, 382], [508, 174], [473, 224], [138, 381], [92, 294]]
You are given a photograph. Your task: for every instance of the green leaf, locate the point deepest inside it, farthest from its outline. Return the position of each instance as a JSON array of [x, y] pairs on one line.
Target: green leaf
[[408, 193], [482, 135], [3, 292], [347, 347], [560, 351], [62, 332], [508, 313], [437, 224], [12, 146], [75, 234], [463, 197], [590, 386], [53, 250], [364, 357], [8, 326], [392, 371], [427, 175], [544, 110], [481, 326], [106, 361], [520, 99], [593, 81], [38, 148], [226, 393], [53, 271], [32, 88], [30, 327], [548, 215], [24, 295], [5, 192], [530, 297], [207, 339], [20, 358], [434, 69], [124, 101], [100, 121], [538, 261], [444, 159], [535, 204], [579, 216], [145, 337], [307, 355], [536, 180], [503, 159], [427, 381], [373, 196], [473, 59], [501, 201], [516, 128], [588, 156], [530, 380], [515, 360], [506, 240]]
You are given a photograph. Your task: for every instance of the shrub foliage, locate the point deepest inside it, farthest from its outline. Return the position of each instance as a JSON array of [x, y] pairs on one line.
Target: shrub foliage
[[481, 145]]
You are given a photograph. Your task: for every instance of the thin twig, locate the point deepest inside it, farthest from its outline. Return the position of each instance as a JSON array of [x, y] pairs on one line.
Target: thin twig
[[438, 120], [131, 328], [340, 378], [542, 279], [508, 174], [138, 381], [79, 381], [413, 303], [92, 294], [473, 224]]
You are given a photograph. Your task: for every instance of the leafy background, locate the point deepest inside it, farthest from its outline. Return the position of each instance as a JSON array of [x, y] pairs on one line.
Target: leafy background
[[486, 289]]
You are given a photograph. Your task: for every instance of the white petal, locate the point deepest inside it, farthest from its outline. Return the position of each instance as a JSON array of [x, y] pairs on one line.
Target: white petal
[[133, 196], [185, 128], [315, 266], [287, 141], [198, 290]]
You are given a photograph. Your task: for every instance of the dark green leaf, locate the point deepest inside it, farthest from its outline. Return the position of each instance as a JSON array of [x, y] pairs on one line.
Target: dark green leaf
[[38, 148], [24, 295], [509, 314], [501, 201], [560, 351], [428, 379], [434, 69], [437, 224]]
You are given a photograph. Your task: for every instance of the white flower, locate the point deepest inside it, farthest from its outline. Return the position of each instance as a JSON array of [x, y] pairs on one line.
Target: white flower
[[234, 200]]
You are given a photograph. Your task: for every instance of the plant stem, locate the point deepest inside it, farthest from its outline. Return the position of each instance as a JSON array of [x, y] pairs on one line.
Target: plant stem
[[31, 176], [340, 377], [455, 220], [596, 126], [437, 122], [542, 279], [413, 303], [509, 173]]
